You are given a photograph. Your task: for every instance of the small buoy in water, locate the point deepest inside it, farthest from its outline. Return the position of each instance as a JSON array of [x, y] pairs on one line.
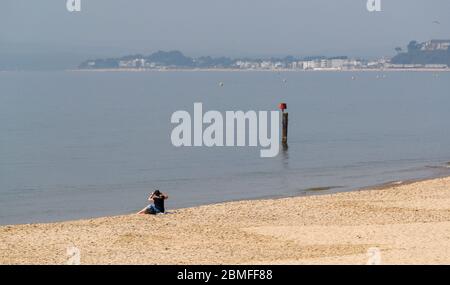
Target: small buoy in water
[[221, 84], [284, 80], [353, 78]]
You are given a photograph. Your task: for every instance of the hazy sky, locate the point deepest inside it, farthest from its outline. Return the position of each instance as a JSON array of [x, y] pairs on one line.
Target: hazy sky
[[216, 27]]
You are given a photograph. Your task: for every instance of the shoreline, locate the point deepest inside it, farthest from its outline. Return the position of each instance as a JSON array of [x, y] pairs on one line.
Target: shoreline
[[259, 70], [431, 70], [308, 192], [409, 222]]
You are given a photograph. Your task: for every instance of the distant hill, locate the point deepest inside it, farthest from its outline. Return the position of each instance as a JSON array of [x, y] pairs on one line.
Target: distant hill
[[159, 58], [170, 59], [431, 52]]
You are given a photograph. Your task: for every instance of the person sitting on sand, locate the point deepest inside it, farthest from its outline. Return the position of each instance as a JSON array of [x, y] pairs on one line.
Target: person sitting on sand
[[158, 203]]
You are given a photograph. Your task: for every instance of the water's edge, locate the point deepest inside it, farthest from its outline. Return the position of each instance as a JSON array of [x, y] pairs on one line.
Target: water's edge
[[332, 190]]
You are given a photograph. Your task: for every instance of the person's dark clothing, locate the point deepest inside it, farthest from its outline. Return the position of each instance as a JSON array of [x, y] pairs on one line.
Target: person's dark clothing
[[159, 203]]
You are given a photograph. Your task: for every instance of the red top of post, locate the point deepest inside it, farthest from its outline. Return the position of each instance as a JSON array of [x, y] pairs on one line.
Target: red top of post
[[282, 106]]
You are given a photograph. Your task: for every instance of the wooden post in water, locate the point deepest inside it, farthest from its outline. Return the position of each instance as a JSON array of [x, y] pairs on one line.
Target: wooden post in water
[[284, 125], [284, 134]]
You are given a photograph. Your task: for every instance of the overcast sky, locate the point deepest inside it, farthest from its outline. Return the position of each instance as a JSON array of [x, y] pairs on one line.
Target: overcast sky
[[216, 27]]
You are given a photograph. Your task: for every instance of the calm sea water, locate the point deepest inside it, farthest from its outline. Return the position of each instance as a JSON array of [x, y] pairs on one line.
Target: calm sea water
[[85, 144]]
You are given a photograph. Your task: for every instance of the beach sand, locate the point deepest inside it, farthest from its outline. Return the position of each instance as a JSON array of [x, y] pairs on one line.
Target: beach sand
[[409, 224]]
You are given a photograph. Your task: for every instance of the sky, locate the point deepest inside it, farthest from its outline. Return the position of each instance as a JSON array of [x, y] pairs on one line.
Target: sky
[[40, 33]]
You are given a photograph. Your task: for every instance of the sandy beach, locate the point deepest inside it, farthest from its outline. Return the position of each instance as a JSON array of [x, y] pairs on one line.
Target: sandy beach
[[409, 224]]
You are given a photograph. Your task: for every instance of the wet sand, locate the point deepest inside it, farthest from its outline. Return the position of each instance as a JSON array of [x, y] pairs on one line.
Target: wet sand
[[408, 224]]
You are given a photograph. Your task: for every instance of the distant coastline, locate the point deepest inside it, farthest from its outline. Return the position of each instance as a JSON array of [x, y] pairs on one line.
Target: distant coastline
[[433, 55], [259, 70]]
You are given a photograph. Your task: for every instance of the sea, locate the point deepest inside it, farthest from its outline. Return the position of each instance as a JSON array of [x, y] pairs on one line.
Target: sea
[[83, 144]]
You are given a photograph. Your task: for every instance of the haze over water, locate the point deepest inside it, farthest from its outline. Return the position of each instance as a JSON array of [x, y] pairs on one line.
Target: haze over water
[[85, 144]]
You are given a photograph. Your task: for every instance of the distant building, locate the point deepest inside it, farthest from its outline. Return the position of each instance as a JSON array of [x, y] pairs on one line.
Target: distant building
[[435, 45], [375, 64], [247, 64], [279, 65], [266, 65], [125, 63], [337, 63], [403, 66], [438, 66], [352, 64], [133, 63], [324, 63]]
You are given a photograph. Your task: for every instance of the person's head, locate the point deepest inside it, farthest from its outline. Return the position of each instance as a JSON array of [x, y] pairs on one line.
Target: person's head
[[157, 193]]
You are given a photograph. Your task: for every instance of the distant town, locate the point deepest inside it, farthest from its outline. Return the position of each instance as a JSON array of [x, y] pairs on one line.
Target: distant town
[[432, 55]]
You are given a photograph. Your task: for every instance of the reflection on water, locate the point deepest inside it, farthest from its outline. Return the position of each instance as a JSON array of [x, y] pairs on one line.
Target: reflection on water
[[284, 156]]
